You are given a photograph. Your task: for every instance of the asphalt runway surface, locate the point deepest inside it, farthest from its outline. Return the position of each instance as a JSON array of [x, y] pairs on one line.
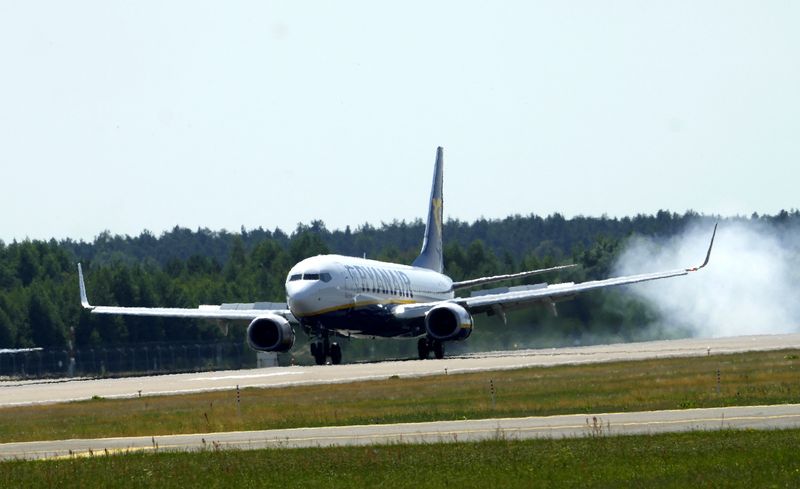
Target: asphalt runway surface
[[576, 425], [18, 393]]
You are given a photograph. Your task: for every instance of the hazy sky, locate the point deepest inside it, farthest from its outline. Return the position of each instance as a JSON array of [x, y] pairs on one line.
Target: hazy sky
[[125, 116]]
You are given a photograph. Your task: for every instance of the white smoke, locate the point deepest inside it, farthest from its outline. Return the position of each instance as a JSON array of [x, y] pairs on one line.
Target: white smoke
[[750, 286]]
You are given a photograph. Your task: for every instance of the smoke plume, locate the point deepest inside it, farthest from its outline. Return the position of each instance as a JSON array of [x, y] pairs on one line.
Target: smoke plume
[[750, 286]]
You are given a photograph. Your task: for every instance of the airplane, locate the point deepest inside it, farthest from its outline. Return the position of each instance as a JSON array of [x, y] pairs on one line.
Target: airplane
[[332, 296]]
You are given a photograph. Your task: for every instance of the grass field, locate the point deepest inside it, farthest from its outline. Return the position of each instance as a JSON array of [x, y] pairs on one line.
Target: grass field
[[700, 459], [745, 379]]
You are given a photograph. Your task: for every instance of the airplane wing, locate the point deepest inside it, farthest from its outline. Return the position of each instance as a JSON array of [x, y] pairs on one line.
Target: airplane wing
[[555, 292], [513, 297], [223, 311]]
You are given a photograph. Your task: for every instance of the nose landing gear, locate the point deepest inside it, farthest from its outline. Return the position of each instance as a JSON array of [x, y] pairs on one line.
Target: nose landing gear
[[322, 348]]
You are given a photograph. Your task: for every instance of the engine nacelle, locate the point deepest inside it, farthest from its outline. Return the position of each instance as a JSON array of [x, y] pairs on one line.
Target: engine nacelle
[[270, 333], [448, 322]]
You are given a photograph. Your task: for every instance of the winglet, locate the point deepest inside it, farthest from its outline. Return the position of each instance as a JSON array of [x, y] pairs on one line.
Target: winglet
[[82, 286], [708, 255]]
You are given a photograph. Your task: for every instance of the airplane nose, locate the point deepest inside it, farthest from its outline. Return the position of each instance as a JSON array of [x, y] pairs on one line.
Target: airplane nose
[[301, 300]]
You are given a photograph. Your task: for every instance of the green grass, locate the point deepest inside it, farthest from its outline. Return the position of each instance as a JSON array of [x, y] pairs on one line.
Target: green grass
[[698, 459], [746, 379]]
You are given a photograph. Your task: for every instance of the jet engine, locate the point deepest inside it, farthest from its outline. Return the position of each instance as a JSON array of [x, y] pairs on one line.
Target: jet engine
[[448, 322], [270, 333]]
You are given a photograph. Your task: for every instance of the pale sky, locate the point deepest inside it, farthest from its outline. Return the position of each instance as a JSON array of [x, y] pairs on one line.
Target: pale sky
[[133, 115]]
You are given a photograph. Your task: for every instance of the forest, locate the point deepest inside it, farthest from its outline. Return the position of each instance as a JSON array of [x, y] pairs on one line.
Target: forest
[[39, 299]]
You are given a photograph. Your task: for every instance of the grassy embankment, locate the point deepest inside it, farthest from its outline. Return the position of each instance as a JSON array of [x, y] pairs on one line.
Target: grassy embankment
[[746, 379], [698, 459]]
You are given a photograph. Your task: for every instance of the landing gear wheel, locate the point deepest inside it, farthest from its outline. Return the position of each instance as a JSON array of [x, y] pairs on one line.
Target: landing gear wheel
[[318, 352], [336, 354], [438, 349], [423, 348]]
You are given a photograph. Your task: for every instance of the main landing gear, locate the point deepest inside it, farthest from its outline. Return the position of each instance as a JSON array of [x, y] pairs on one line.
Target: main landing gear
[[322, 348], [427, 345]]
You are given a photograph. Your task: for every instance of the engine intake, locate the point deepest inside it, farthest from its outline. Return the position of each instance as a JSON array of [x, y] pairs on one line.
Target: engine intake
[[448, 322], [270, 333]]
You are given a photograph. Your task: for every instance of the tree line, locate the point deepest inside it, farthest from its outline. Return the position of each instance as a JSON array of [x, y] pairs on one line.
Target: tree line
[[39, 304]]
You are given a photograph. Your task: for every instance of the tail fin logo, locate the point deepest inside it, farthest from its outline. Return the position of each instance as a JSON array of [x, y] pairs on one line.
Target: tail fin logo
[[436, 204]]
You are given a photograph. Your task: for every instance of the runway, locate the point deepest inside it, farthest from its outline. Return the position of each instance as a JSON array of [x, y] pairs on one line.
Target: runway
[[17, 393], [651, 422]]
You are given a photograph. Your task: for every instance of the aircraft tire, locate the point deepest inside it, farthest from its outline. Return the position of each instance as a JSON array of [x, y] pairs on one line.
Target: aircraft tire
[[438, 349], [423, 348], [336, 354], [318, 351]]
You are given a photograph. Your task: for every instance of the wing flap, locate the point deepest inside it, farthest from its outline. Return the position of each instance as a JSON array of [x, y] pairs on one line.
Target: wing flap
[[499, 278]]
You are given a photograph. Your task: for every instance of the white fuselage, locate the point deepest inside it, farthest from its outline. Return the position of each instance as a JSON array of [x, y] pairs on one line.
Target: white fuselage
[[326, 284]]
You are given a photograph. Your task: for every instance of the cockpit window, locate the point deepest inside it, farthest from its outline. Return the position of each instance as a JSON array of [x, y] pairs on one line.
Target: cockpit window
[[324, 276]]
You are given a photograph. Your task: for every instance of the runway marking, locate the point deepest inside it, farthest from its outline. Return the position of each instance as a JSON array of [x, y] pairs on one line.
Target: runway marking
[[250, 376]]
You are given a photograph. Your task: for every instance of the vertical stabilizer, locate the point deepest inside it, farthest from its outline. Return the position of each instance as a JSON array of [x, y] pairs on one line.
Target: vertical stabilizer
[[431, 254]]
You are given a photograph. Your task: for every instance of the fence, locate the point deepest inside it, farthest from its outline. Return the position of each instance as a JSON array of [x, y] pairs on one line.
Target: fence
[[127, 360]]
